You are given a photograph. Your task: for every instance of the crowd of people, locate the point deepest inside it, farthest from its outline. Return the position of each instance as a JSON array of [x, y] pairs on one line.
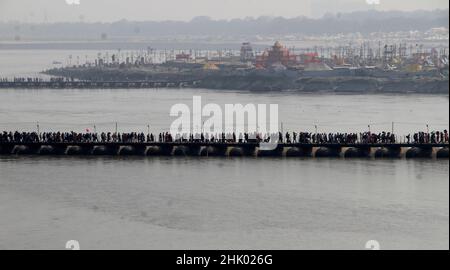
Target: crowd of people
[[74, 137], [21, 79], [432, 137], [294, 137], [34, 79]]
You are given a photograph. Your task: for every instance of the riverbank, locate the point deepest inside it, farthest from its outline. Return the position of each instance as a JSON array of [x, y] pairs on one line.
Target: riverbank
[[357, 85], [302, 82]]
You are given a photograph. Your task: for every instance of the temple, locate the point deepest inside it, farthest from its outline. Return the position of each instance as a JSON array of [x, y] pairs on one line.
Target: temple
[[275, 56]]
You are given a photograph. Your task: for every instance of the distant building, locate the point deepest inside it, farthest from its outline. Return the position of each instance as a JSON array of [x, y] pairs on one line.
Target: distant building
[[210, 66], [247, 54], [307, 58], [183, 57], [276, 55]]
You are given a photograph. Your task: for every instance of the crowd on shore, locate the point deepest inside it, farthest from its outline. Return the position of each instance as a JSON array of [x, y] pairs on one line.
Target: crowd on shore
[[35, 79], [294, 137], [22, 79]]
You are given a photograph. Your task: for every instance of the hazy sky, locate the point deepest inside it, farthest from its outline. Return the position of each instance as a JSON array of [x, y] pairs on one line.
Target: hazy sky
[[113, 10]]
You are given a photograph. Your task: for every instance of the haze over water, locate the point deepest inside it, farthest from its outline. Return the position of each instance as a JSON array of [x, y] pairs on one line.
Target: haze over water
[[270, 203]]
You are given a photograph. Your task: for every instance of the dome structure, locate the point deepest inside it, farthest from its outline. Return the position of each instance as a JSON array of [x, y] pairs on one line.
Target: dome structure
[[277, 54]]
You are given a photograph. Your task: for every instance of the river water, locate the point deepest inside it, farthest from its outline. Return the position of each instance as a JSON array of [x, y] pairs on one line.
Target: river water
[[229, 203]]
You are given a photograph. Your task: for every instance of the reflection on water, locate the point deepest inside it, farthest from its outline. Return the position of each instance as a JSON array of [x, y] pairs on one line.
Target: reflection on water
[[181, 201]]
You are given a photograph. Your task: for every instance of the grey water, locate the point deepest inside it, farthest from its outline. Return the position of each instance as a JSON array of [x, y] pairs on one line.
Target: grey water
[[216, 203]]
